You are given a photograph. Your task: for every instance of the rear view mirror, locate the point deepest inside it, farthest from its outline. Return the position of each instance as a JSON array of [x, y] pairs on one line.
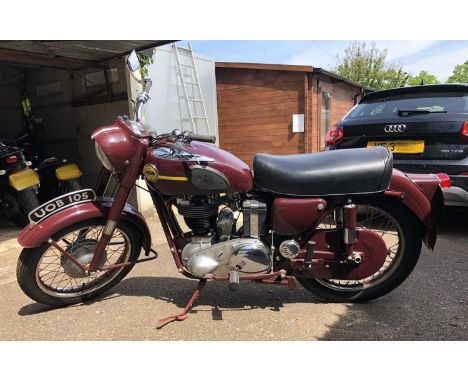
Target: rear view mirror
[[133, 62]]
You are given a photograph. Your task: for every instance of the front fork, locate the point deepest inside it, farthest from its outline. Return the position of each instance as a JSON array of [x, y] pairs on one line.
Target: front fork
[[127, 181]]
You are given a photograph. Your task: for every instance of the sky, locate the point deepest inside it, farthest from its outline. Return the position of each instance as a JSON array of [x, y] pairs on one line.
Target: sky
[[437, 57]]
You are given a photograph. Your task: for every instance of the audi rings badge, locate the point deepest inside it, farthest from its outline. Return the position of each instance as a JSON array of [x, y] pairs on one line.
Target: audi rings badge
[[394, 128]]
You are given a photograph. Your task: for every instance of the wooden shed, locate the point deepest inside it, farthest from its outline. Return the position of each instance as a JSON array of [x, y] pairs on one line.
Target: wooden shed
[[279, 109]]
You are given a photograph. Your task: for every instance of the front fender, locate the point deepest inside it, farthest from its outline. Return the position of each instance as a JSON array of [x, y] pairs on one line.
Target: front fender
[[422, 194], [35, 235]]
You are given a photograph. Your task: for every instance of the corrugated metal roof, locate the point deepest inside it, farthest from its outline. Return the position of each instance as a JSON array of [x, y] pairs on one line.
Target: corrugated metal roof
[[70, 54]]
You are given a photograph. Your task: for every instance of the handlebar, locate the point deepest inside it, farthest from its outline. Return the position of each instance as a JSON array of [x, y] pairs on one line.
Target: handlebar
[[186, 136], [201, 137], [142, 98]]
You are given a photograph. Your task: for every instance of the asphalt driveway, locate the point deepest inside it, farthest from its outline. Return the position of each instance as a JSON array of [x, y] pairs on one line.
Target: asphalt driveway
[[430, 305]]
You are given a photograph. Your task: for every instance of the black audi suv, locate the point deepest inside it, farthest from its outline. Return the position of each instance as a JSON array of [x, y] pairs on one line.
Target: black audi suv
[[426, 128]]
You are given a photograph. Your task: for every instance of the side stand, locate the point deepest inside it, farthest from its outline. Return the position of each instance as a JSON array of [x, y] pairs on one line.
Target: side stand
[[184, 314]]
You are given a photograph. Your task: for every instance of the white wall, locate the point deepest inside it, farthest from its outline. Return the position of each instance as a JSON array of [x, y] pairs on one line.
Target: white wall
[[167, 109]]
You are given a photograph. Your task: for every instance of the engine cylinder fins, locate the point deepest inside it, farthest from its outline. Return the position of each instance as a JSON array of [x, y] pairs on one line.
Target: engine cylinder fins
[[289, 249], [197, 211], [200, 226], [199, 214]]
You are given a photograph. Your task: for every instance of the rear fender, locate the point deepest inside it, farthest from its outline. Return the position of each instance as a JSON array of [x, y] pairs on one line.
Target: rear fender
[[422, 194], [34, 235]]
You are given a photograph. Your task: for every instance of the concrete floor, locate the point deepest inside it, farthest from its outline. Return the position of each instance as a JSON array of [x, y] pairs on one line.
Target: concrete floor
[[430, 305]]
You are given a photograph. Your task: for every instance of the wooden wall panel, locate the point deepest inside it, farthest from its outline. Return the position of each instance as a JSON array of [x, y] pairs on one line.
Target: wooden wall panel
[[255, 109]]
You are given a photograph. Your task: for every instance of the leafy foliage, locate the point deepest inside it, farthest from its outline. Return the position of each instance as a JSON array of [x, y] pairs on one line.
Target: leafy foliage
[[364, 63], [144, 62], [423, 78], [460, 74]]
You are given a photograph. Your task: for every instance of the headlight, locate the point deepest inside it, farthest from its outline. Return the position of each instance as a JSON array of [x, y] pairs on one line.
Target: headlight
[[138, 128], [103, 157]]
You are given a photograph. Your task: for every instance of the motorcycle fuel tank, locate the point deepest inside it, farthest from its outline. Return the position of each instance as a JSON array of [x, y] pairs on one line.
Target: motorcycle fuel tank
[[195, 168]]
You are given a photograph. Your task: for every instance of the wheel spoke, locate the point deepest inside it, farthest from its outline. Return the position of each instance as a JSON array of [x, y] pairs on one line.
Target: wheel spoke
[[382, 223], [58, 276]]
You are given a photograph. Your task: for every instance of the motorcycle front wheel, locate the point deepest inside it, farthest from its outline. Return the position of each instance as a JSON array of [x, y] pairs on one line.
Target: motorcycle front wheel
[[51, 278], [402, 233]]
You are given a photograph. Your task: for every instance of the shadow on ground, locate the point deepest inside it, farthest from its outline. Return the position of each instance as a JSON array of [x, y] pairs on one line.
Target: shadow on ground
[[430, 305], [8, 230], [455, 221], [177, 292]]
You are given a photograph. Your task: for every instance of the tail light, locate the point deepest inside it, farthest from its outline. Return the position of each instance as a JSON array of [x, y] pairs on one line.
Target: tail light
[[11, 159], [334, 135], [444, 180], [464, 130]]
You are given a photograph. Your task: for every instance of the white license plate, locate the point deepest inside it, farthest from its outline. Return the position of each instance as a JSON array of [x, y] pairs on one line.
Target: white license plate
[[61, 202]]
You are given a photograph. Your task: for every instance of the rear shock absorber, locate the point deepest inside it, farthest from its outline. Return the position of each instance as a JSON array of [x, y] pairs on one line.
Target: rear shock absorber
[[349, 227]]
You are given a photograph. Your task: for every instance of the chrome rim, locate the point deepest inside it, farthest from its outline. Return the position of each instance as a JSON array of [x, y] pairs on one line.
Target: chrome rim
[[54, 275], [383, 223]]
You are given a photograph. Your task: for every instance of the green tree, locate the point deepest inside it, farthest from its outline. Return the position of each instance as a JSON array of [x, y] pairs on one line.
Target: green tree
[[460, 74], [145, 61], [364, 63], [423, 78]]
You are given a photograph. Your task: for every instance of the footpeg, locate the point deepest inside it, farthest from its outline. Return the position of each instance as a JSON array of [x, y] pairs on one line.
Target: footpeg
[[309, 254], [233, 281]]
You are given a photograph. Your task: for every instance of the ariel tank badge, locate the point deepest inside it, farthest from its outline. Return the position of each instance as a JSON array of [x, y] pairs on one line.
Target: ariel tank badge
[[151, 173]]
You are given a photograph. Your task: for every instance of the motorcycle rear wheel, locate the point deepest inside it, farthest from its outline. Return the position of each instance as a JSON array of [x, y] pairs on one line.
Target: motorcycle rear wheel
[[27, 201], [48, 277], [409, 231], [72, 185]]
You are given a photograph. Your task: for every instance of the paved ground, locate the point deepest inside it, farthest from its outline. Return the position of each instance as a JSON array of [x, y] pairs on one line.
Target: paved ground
[[430, 305]]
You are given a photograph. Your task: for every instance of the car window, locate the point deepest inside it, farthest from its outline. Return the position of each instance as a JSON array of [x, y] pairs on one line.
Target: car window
[[449, 102]]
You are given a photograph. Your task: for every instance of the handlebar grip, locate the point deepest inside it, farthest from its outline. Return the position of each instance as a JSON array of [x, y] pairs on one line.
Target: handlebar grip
[[201, 137]]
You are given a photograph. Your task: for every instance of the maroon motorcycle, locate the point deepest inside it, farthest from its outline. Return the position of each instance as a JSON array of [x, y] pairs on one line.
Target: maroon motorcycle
[[343, 223]]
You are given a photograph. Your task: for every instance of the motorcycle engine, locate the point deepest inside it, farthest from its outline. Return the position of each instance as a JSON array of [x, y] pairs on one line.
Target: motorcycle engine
[[213, 250]]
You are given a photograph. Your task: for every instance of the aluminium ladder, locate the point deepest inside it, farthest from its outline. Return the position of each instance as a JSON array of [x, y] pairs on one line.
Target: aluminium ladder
[[192, 90]]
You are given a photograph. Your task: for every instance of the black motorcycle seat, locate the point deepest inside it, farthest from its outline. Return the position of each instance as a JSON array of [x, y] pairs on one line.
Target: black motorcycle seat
[[336, 172]]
